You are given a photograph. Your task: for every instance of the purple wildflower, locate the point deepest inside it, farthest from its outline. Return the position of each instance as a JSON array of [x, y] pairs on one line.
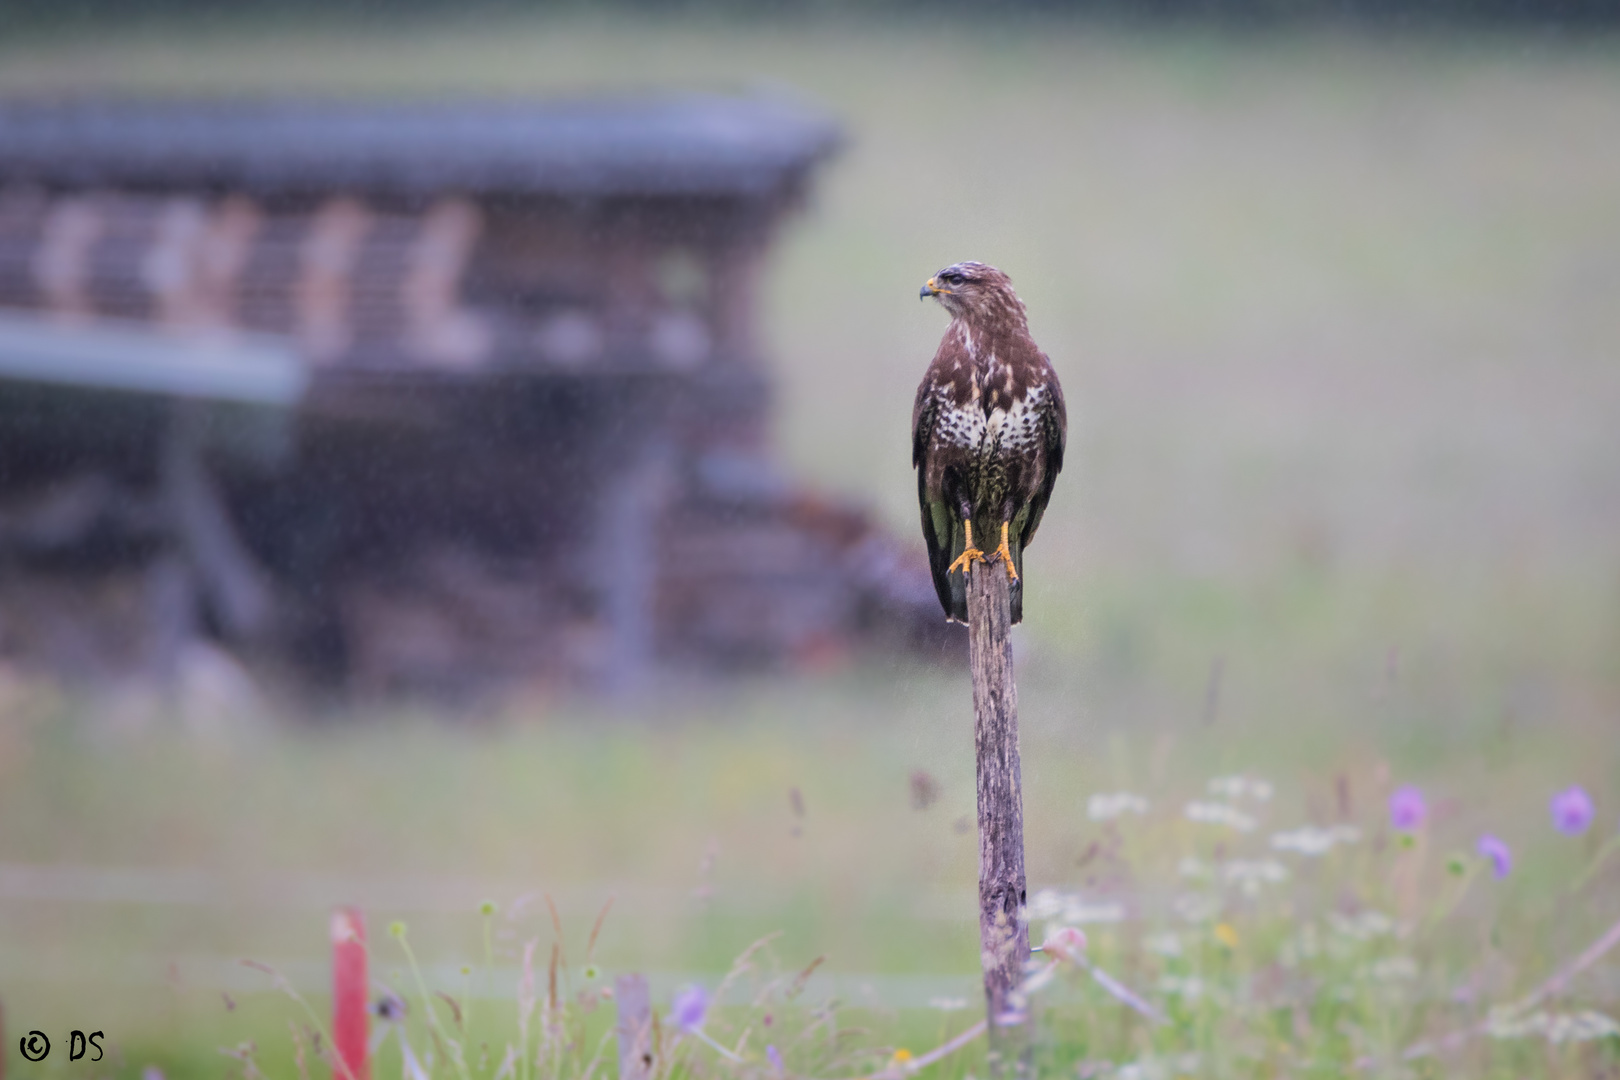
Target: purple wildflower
[[1496, 851], [1407, 808], [691, 1006], [774, 1056], [1572, 811]]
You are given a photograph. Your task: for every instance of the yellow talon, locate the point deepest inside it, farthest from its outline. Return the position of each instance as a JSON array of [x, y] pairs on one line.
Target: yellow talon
[[1004, 552], [970, 554]]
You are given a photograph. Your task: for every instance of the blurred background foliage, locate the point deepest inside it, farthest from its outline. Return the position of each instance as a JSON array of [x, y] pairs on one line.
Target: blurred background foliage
[[1384, 13]]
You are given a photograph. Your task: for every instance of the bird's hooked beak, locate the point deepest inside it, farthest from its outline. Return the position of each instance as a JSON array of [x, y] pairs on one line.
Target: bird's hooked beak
[[930, 289]]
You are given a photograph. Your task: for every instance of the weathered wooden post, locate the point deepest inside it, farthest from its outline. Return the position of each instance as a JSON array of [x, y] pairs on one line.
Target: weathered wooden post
[[1003, 939], [634, 1029], [351, 1022]]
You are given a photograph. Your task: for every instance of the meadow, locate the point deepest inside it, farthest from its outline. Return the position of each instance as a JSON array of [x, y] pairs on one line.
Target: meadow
[[1335, 320]]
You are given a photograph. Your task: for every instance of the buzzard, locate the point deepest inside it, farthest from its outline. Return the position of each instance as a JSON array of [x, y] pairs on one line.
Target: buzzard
[[987, 433]]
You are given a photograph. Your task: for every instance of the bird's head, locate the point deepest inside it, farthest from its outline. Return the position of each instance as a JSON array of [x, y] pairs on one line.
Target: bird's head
[[973, 291]]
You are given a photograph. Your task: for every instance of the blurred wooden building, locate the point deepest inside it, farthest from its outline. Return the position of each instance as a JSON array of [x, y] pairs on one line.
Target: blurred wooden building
[[412, 397]]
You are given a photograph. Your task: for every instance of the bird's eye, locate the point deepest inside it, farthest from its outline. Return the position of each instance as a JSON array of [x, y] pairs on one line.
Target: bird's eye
[[953, 279]]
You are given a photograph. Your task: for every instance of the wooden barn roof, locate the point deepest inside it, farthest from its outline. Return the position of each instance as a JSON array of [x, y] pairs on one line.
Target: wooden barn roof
[[677, 146]]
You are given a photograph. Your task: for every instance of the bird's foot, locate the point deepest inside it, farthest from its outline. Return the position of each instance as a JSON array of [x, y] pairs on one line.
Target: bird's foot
[[964, 562], [1004, 553]]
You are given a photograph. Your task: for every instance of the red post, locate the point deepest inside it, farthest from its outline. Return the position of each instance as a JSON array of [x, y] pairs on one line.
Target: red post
[[351, 1022]]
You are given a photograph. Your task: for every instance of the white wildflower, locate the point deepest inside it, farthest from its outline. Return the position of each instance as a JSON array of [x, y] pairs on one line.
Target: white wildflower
[[1503, 1023], [1142, 1070], [945, 1004], [1045, 904], [1198, 907], [1554, 1027], [1302, 946], [1166, 944], [1158, 1068], [1394, 969], [1072, 909], [1581, 1027], [1363, 927], [1220, 814], [1082, 912], [1108, 807], [1240, 787], [1190, 867], [1251, 876], [1313, 841], [1186, 987]]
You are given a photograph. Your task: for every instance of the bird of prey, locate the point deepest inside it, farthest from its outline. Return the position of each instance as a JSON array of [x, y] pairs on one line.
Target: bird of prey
[[987, 433]]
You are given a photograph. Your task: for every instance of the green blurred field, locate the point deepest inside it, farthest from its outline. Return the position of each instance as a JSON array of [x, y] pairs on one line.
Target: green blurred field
[[1336, 321]]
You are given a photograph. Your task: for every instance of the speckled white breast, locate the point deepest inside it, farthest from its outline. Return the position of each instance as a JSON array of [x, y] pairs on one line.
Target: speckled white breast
[[1016, 428]]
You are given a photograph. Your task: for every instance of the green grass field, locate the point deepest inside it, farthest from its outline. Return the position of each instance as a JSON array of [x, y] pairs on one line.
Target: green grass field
[[1335, 322]]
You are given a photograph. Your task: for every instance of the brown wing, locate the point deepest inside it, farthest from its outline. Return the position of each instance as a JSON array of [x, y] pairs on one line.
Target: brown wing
[[942, 532], [923, 413], [1054, 417]]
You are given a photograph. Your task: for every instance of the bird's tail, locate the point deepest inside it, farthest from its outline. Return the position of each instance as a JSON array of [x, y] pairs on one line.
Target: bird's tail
[[952, 586], [1015, 588]]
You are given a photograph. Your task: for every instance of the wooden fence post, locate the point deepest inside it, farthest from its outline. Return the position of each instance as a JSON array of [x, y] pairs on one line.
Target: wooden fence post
[[351, 1020], [1003, 938], [634, 1027]]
